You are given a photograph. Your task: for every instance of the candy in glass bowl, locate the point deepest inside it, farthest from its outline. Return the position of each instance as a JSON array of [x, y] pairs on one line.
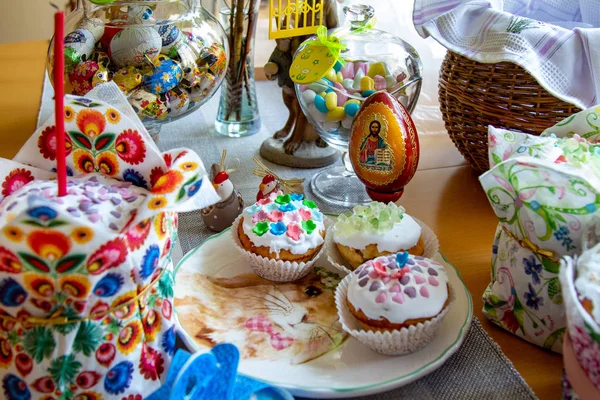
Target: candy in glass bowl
[[335, 73], [168, 56]]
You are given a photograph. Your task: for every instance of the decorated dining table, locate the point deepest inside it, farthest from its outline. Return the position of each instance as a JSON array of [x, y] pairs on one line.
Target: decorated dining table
[[251, 281]]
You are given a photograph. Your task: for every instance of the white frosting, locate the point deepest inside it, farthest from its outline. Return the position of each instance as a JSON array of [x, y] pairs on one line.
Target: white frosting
[[276, 243], [403, 235], [91, 198], [419, 289], [587, 282]]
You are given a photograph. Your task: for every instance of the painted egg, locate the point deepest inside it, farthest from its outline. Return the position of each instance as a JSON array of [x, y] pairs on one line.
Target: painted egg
[[384, 146], [147, 105], [81, 77], [166, 75], [127, 78], [132, 46]]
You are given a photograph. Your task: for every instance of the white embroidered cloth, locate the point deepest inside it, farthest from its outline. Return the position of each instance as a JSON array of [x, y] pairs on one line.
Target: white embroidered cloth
[[556, 41]]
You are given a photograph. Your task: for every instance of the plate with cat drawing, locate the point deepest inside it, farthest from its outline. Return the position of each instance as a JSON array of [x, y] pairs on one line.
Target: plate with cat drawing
[[289, 334]]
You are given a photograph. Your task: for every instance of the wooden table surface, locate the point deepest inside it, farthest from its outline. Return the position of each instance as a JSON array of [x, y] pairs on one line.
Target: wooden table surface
[[450, 200]]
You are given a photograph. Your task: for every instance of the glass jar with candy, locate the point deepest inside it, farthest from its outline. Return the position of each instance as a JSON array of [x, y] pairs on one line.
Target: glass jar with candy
[[168, 56]]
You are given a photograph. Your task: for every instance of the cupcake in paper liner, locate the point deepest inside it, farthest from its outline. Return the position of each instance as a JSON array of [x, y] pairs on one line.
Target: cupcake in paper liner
[[280, 236], [580, 281], [377, 230], [394, 304]]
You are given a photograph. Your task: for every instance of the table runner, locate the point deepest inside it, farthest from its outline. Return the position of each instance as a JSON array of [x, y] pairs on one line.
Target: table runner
[[478, 370]]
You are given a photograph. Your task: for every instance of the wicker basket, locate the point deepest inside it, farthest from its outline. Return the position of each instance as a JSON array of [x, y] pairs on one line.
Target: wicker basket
[[474, 95]]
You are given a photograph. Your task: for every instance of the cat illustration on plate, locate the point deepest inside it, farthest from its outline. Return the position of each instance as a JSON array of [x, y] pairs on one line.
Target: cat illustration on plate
[[266, 320]]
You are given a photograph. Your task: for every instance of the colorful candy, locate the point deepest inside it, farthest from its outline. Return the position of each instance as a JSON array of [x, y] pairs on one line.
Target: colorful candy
[[170, 35], [127, 78], [82, 75], [335, 100], [79, 46], [331, 100], [320, 104], [166, 75], [134, 46]]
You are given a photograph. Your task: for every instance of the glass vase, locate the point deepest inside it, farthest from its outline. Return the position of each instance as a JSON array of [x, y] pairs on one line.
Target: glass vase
[[238, 114]]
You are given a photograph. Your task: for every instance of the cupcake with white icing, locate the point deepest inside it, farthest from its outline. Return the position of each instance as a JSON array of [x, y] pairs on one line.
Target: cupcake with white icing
[[281, 236], [395, 303], [376, 230]]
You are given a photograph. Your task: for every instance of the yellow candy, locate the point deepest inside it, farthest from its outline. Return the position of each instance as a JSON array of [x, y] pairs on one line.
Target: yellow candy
[[330, 75], [376, 69], [323, 94], [331, 100], [340, 77], [367, 83], [337, 114], [352, 101], [127, 78]]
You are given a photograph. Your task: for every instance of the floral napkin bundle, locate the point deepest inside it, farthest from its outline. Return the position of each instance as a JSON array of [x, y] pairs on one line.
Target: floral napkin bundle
[[86, 280], [545, 192]]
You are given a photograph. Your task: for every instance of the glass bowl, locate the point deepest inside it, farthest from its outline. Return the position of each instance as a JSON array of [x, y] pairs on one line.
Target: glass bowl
[[374, 61], [168, 56]]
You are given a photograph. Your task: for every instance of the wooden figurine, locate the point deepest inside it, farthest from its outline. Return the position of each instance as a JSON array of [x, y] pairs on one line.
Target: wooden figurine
[[299, 135], [221, 215]]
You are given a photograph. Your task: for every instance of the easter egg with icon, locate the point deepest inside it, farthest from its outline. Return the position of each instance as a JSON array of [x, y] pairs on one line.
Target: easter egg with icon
[[384, 147]]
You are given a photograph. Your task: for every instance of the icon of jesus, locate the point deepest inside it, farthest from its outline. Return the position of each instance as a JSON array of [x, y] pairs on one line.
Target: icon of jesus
[[371, 143]]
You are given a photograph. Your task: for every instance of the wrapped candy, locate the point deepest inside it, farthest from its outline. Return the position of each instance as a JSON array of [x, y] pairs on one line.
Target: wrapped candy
[[171, 36], [132, 46], [147, 105], [79, 46], [101, 75], [139, 15], [94, 26], [127, 78], [179, 100], [82, 75], [166, 75], [214, 58]]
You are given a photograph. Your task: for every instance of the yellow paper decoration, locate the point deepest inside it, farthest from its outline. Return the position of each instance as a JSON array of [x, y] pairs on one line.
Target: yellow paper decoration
[[288, 18], [316, 58]]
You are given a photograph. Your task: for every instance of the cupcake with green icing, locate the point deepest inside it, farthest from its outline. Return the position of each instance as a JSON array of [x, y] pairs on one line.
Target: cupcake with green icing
[[375, 230], [281, 236]]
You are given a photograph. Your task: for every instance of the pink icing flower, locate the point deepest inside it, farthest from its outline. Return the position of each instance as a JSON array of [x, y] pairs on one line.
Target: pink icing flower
[[264, 201], [293, 217], [379, 269], [260, 216], [275, 216], [305, 214], [294, 231]]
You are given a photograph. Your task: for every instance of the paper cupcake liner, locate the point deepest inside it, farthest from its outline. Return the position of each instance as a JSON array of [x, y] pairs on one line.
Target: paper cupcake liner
[[430, 240], [391, 343], [275, 270]]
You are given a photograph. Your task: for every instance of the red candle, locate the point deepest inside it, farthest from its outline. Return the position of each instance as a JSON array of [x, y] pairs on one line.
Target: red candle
[[59, 100]]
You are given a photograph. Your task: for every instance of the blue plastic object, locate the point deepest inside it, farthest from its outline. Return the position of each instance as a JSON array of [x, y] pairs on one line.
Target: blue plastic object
[[213, 376]]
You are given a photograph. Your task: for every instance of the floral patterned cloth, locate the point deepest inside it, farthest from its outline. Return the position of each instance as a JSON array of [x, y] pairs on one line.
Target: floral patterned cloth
[[583, 329], [86, 280], [545, 191]]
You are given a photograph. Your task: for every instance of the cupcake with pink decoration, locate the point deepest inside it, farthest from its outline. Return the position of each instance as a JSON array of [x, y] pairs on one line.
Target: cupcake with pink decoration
[[280, 236], [394, 304]]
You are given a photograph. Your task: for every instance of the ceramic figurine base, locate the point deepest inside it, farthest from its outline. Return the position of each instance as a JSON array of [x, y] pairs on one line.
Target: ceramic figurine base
[[308, 155]]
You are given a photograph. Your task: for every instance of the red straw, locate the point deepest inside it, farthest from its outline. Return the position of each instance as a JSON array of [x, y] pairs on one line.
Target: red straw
[[59, 100]]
